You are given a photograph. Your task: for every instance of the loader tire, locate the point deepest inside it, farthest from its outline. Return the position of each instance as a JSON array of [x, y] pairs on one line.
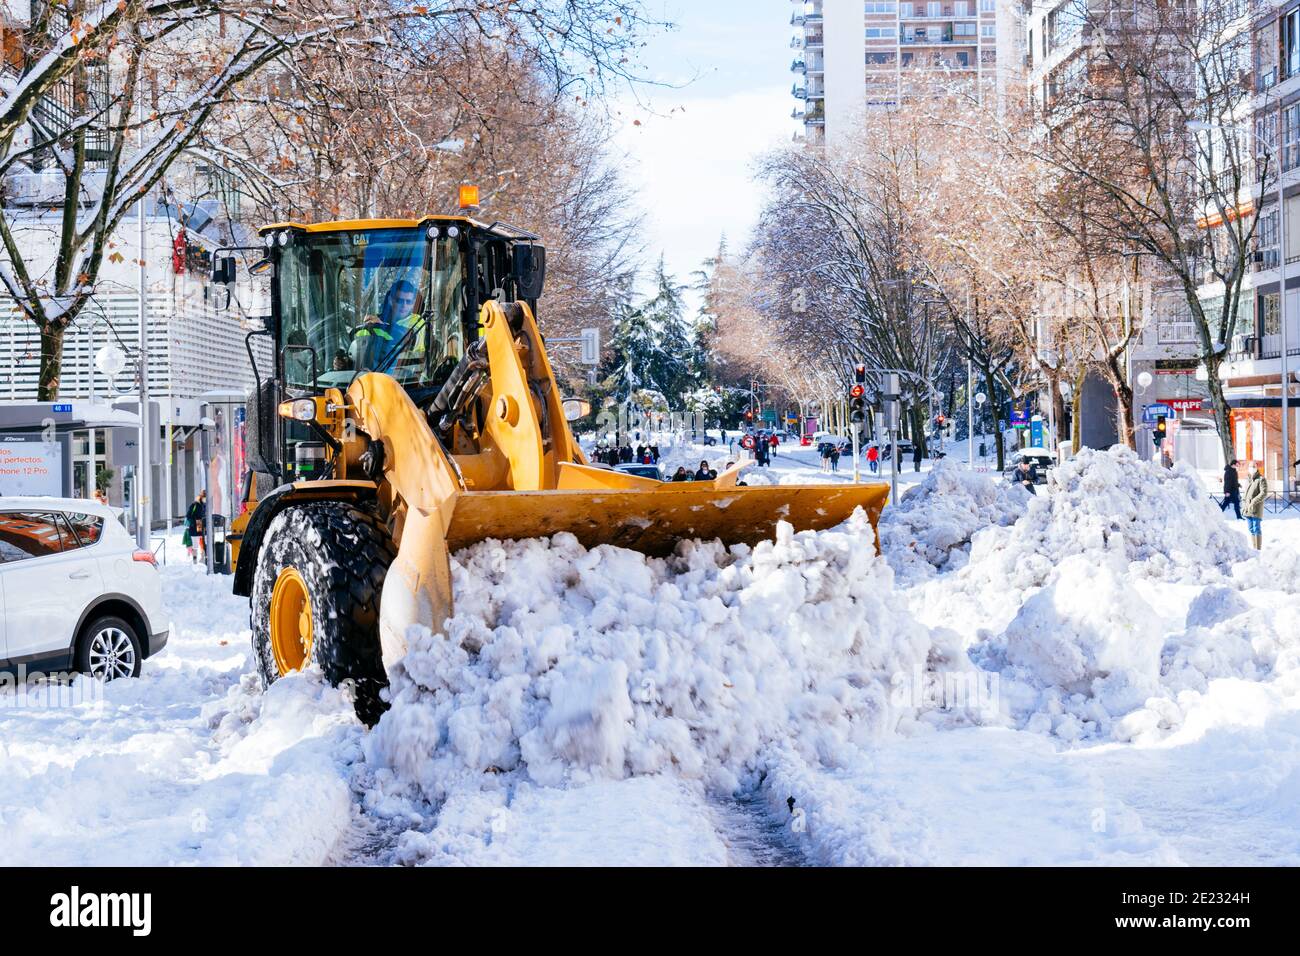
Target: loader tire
[[315, 598]]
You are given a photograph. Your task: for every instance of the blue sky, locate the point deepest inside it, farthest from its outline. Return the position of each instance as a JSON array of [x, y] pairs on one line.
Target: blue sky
[[690, 161]]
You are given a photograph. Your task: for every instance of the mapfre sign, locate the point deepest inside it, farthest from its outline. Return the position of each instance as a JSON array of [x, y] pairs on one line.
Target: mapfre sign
[[1184, 404]]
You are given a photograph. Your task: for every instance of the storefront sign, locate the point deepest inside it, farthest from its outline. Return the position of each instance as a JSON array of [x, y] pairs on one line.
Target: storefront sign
[[1150, 413], [29, 466], [1184, 404]]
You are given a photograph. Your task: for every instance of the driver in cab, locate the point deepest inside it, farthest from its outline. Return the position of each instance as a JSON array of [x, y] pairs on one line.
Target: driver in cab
[[374, 343]]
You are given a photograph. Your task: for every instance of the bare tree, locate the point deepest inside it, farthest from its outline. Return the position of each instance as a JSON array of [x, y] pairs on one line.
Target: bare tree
[[145, 82], [1144, 130]]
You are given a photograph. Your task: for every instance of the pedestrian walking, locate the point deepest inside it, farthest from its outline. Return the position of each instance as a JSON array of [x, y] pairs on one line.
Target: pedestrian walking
[[835, 458], [1231, 488], [873, 458], [1253, 506], [195, 517], [916, 457]]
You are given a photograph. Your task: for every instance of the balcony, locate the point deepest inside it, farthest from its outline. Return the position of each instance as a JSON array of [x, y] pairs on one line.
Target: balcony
[[941, 40], [921, 12]]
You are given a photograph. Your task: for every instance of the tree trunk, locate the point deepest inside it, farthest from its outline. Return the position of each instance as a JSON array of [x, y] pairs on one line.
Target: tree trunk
[[1076, 412], [918, 430], [1222, 417], [1123, 401], [990, 384], [47, 385]]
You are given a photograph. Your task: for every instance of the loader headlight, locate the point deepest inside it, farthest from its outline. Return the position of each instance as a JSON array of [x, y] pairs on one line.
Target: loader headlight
[[284, 238], [268, 240], [300, 409]]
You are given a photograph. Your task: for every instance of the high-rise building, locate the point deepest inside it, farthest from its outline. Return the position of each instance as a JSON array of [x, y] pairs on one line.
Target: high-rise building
[[858, 55]]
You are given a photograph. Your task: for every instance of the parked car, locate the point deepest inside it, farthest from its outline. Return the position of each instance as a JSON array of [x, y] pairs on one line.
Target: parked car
[[75, 592], [1039, 457], [642, 471], [905, 449]]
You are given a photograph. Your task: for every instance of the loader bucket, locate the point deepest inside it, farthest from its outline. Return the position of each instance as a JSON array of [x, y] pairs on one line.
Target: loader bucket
[[653, 521]]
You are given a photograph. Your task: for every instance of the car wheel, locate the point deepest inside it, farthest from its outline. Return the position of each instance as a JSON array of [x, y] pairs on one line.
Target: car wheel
[[109, 648]]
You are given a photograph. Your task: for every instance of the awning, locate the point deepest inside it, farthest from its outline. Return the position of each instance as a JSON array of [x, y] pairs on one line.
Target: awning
[[1214, 219]]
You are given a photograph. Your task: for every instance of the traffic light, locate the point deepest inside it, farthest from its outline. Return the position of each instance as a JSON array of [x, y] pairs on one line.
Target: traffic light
[[749, 416], [1161, 432], [857, 403]]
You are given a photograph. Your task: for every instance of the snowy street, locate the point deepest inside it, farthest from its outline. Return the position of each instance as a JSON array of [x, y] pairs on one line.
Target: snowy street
[[1123, 701]]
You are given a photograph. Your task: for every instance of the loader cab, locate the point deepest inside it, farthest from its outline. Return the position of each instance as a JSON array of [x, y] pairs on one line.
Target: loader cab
[[400, 297], [395, 297]]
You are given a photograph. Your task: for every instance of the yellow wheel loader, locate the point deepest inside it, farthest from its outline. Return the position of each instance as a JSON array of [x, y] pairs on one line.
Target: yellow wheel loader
[[412, 411]]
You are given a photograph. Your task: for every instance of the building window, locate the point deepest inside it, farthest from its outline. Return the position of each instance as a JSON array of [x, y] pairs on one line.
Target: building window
[[933, 9], [988, 6], [963, 58], [1266, 240], [963, 29], [905, 10], [1290, 137], [961, 8], [1270, 314], [876, 33], [880, 59], [989, 30], [882, 7], [1291, 42]]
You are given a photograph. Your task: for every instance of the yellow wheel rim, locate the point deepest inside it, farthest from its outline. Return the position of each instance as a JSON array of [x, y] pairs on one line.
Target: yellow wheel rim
[[291, 632]]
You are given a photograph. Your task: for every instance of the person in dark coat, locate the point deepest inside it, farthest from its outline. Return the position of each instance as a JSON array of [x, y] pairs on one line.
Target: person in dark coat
[[1026, 475], [625, 455], [680, 474], [195, 530], [705, 473], [1231, 488], [916, 457]]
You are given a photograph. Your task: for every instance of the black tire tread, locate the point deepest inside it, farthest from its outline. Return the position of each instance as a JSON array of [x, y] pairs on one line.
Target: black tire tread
[[350, 563]]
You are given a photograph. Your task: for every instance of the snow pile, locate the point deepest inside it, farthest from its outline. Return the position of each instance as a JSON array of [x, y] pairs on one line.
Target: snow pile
[[1089, 633], [931, 528], [1102, 500], [564, 665]]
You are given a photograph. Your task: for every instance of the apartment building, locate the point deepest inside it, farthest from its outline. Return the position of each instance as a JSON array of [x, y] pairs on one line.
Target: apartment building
[[1257, 361], [1163, 359], [195, 345], [852, 56]]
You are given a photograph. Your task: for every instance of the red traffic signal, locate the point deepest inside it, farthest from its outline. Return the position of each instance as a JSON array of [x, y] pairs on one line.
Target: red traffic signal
[[859, 373], [857, 391], [749, 416]]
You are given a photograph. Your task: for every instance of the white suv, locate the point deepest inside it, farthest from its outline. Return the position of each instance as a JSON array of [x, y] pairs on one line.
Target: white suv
[[75, 593]]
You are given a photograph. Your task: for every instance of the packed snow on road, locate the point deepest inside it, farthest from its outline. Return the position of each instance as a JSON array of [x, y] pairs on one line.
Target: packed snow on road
[[1102, 673]]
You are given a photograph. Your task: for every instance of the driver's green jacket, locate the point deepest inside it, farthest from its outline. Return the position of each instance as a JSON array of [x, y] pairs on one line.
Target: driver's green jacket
[[372, 344]]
